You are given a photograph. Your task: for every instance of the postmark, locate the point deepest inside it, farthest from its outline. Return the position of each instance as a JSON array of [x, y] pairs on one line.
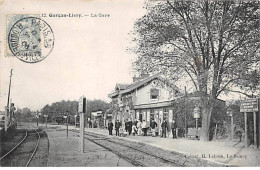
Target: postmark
[[30, 39]]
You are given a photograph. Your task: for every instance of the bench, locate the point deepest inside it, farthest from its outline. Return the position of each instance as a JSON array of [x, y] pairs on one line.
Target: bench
[[194, 133]]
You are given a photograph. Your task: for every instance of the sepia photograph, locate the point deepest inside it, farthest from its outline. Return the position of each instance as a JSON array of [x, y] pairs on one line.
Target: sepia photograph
[[129, 83]]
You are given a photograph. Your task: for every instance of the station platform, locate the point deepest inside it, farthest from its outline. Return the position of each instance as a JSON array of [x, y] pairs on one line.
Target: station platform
[[222, 152], [64, 151]]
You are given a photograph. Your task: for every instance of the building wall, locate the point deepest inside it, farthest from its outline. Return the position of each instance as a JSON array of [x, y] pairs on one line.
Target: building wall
[[124, 110], [142, 95]]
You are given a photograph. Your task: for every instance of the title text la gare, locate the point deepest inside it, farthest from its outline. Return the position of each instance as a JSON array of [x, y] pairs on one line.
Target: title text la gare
[[100, 15]]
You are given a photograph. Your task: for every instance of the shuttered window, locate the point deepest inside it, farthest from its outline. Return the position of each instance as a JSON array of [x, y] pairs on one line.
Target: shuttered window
[[154, 93]]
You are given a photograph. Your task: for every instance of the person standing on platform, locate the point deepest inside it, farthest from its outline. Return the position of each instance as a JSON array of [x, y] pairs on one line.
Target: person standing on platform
[[144, 128], [126, 125], [153, 126], [117, 126], [173, 126], [110, 127], [90, 124], [164, 128], [130, 124], [139, 127]]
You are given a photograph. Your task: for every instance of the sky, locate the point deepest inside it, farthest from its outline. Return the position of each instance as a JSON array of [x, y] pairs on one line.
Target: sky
[[89, 55]]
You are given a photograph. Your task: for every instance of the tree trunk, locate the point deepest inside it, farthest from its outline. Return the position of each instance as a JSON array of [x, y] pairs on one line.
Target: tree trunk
[[207, 108]]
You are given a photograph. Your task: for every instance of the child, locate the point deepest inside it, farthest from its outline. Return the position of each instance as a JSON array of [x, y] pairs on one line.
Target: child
[[121, 131], [134, 129]]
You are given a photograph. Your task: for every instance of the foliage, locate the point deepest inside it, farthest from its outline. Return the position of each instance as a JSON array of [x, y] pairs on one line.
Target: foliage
[[60, 109], [71, 108], [23, 115], [215, 44]]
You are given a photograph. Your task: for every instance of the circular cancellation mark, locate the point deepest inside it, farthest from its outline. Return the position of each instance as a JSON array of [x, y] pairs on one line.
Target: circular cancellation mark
[[31, 39]]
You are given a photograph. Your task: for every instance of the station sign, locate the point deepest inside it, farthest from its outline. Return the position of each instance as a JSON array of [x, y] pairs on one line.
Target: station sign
[[45, 115], [82, 105], [249, 105], [65, 117]]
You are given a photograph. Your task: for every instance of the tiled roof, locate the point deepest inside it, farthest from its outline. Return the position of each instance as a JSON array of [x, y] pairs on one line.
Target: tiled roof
[[113, 94], [131, 87], [139, 83], [122, 86]]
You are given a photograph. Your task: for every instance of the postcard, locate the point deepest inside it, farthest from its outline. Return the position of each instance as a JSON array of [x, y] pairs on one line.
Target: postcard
[[129, 83]]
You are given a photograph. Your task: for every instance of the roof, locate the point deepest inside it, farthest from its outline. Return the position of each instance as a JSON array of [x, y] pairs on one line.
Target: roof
[[136, 85], [113, 94], [144, 81], [121, 86], [118, 88]]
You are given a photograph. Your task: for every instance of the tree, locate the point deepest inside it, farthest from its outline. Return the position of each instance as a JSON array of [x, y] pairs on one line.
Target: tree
[[71, 107], [213, 43], [60, 108], [23, 114]]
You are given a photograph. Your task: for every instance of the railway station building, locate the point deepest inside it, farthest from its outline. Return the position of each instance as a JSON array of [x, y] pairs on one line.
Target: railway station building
[[153, 97]]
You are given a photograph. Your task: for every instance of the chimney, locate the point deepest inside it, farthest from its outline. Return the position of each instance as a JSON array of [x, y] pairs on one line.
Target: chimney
[[142, 76], [135, 79]]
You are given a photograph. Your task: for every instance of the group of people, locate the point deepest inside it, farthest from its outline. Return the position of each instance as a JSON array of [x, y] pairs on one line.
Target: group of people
[[139, 128]]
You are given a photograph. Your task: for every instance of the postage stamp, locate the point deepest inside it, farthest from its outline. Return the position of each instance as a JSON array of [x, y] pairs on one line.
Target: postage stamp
[[29, 38]]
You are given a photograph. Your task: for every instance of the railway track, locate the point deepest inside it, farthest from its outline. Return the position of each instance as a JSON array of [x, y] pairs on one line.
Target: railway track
[[132, 152], [22, 154]]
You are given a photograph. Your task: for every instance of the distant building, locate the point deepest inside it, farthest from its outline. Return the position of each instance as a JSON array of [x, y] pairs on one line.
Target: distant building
[[98, 119]]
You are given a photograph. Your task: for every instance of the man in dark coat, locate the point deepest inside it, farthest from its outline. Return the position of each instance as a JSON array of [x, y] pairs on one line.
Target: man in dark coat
[[130, 124], [164, 128], [173, 126], [110, 127], [117, 126], [153, 126], [126, 125]]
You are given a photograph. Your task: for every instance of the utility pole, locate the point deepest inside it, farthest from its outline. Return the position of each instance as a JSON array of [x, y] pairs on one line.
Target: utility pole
[[67, 122], [11, 73], [185, 113], [7, 106]]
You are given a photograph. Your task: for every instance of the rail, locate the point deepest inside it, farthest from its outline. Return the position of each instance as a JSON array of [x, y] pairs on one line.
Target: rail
[[26, 135], [35, 149]]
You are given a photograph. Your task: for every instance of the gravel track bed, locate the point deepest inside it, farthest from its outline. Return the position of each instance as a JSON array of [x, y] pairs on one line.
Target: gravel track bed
[[21, 155], [11, 140], [167, 156], [40, 158], [133, 153]]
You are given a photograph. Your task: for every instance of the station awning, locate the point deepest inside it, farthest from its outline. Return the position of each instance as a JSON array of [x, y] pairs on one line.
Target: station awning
[[154, 105]]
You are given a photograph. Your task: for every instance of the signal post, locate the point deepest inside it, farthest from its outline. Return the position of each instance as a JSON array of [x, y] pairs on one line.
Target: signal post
[[81, 110]]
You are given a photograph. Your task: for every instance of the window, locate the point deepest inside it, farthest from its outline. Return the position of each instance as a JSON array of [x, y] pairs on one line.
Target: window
[[154, 93], [165, 109], [152, 114], [165, 113]]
